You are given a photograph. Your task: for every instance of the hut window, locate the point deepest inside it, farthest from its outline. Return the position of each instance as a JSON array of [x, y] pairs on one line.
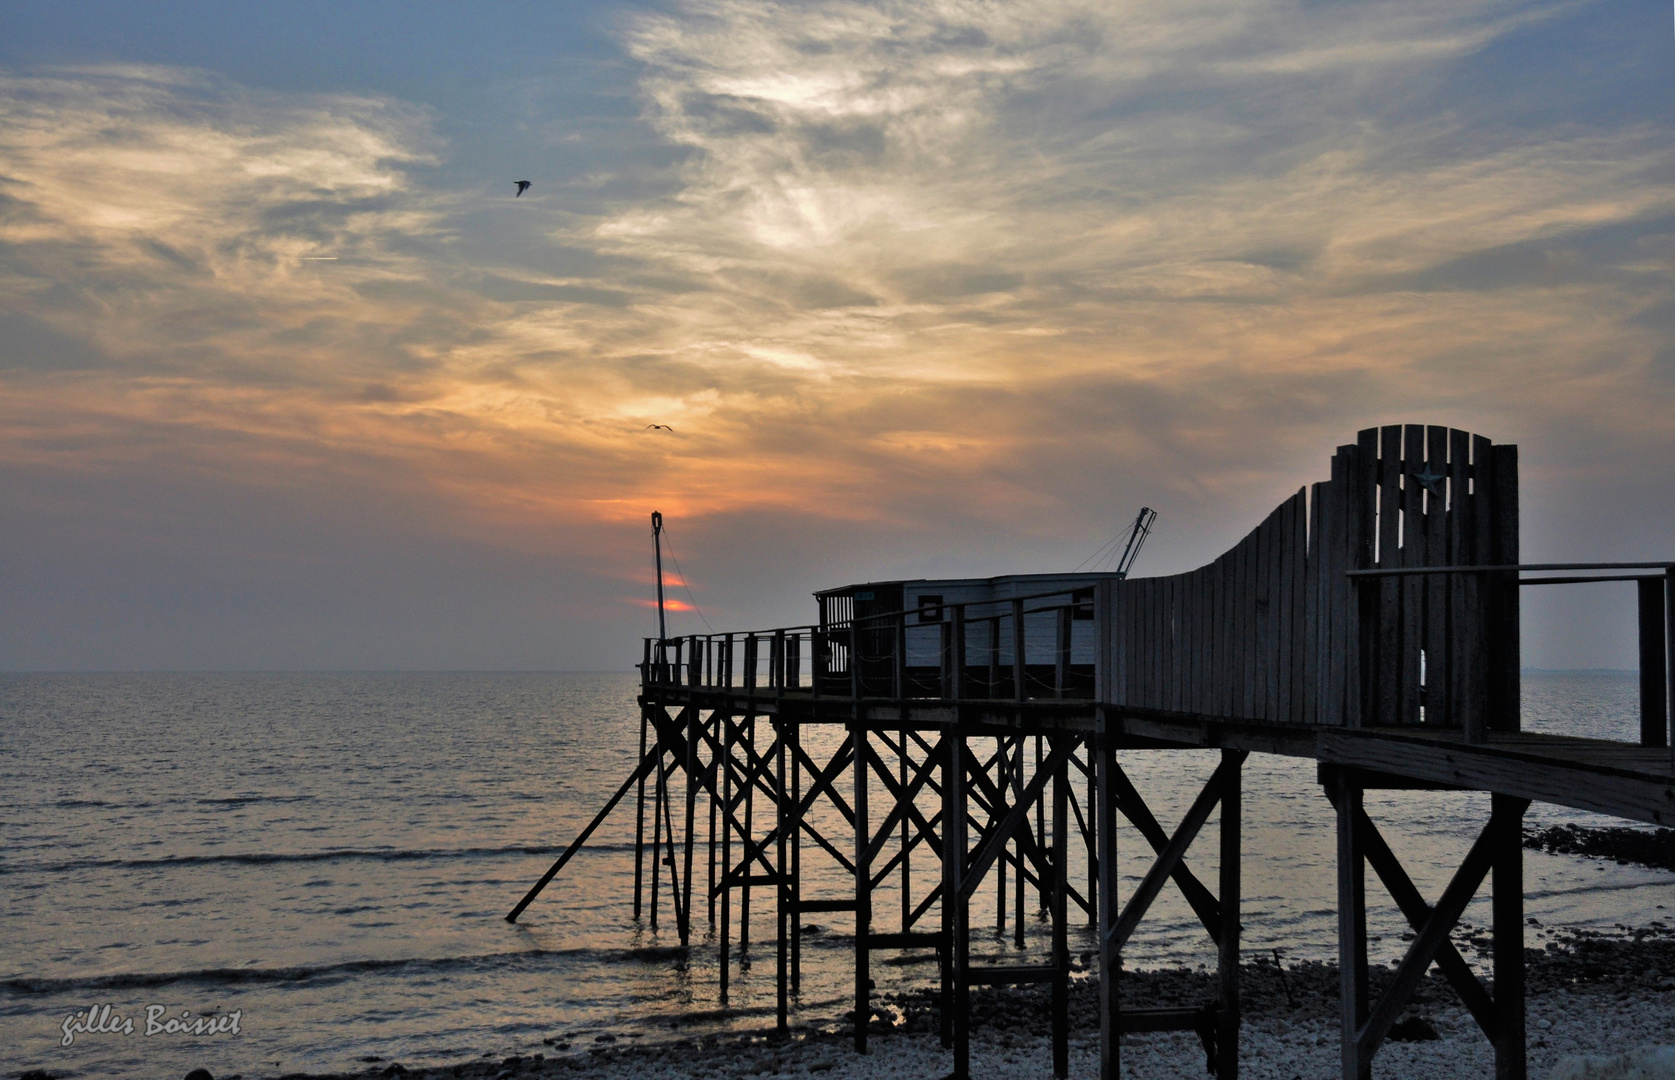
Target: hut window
[[1082, 605], [931, 608]]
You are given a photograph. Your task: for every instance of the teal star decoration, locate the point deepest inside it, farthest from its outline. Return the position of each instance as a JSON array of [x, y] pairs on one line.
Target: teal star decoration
[[1431, 480]]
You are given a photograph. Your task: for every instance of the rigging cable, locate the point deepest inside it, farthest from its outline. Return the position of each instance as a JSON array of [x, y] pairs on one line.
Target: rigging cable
[[676, 560]]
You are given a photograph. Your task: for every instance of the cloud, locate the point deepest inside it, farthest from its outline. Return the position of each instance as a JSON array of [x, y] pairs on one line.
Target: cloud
[[963, 282], [931, 206]]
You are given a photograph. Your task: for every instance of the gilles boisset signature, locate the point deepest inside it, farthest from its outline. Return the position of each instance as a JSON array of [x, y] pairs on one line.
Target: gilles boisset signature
[[101, 1020]]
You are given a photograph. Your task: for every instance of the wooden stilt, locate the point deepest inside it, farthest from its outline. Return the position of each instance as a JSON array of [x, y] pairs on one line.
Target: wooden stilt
[[726, 943], [668, 854], [1090, 836], [647, 763], [1227, 1015], [784, 906], [1061, 914], [1003, 774], [954, 907], [640, 818], [747, 835], [714, 786], [1669, 659], [863, 887], [1654, 689], [794, 750], [1508, 937], [906, 852], [1041, 882], [657, 835], [1352, 929], [1019, 923], [1110, 1044], [690, 730]]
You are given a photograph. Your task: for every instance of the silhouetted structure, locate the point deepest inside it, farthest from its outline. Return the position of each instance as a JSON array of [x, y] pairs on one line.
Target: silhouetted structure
[[1370, 624]]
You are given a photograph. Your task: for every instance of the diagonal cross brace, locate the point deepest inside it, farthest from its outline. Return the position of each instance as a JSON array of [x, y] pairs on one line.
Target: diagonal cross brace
[[904, 800], [992, 795], [1417, 911], [1015, 817], [647, 763], [1434, 933], [1172, 854], [1204, 903], [754, 849], [923, 836]]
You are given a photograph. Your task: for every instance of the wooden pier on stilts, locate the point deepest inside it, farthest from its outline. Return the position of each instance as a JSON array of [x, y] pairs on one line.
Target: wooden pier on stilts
[[1369, 623]]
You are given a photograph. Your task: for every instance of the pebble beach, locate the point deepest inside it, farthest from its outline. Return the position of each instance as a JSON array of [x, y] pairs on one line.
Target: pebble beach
[[1592, 997]]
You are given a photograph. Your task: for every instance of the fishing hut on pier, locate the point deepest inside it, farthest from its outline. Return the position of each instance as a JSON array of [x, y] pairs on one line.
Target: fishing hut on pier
[[1369, 623]]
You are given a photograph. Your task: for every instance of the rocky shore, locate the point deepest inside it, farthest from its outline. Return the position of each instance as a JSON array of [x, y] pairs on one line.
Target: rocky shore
[[1641, 847], [1590, 994]]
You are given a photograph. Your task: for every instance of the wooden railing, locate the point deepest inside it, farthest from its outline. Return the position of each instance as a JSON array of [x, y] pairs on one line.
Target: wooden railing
[[1386, 596], [1018, 649]]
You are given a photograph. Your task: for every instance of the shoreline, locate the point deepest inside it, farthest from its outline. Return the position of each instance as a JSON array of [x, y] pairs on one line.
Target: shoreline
[[1654, 848], [1589, 992]]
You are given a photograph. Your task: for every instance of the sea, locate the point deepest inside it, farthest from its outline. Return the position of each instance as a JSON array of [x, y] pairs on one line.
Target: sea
[[324, 861]]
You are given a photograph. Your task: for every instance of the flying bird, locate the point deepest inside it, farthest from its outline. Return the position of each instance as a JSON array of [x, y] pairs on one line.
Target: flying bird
[[523, 186], [659, 427]]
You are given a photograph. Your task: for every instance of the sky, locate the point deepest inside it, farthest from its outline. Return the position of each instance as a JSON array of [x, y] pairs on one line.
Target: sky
[[289, 379]]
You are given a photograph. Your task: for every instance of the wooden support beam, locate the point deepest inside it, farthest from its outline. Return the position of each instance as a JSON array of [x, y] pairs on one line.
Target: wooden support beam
[[784, 906], [794, 742], [682, 925], [1016, 817], [1172, 854], [906, 843], [1413, 906], [690, 715], [1418, 912], [1508, 935], [647, 763], [1019, 675], [1461, 888], [1654, 687], [1110, 959], [1003, 778], [1352, 932], [1016, 975], [1509, 769], [847, 904], [726, 939], [910, 939], [863, 885], [1090, 834], [1669, 658], [657, 833], [1019, 922], [956, 993], [1063, 746], [639, 820], [1227, 945], [1134, 808], [751, 784], [904, 806]]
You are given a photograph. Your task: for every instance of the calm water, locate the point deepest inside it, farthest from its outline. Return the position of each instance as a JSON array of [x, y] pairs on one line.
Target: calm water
[[331, 856]]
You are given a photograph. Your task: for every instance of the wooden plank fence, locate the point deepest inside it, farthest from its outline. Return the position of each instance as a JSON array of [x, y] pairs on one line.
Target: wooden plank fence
[[1275, 630]]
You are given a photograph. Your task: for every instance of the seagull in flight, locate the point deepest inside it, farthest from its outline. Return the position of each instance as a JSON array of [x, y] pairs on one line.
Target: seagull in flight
[[660, 427], [523, 186]]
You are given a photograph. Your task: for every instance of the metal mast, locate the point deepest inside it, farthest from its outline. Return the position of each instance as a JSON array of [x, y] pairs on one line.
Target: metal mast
[[657, 546]]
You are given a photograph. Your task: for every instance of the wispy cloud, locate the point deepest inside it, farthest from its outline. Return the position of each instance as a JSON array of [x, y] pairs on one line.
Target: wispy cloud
[[987, 269]]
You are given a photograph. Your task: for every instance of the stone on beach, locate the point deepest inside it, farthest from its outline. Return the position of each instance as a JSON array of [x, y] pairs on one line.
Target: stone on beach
[[1647, 1063]]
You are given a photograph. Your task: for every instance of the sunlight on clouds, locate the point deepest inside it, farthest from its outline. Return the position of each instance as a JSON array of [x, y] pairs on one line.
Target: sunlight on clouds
[[994, 263]]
